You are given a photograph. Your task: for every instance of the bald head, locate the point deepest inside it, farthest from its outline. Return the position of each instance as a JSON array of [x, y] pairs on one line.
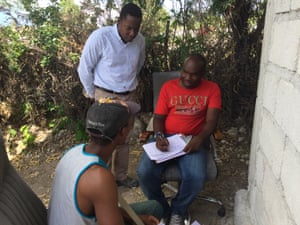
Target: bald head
[[194, 68], [196, 60]]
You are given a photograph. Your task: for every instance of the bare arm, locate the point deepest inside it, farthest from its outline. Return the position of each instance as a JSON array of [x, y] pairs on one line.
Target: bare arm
[[212, 116], [159, 123], [97, 193], [159, 126]]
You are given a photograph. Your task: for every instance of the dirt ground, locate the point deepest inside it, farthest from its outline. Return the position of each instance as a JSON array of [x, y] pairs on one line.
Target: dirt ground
[[37, 167]]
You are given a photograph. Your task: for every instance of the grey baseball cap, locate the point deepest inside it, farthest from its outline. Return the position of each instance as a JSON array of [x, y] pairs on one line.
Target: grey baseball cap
[[105, 119]]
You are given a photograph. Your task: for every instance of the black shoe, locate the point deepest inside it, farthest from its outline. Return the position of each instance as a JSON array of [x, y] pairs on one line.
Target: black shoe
[[128, 182]]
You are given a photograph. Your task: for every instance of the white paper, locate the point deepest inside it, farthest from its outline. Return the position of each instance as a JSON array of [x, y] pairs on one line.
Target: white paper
[[177, 143], [195, 223]]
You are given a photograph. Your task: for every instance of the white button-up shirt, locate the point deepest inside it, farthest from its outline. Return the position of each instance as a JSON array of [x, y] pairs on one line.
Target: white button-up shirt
[[108, 62]]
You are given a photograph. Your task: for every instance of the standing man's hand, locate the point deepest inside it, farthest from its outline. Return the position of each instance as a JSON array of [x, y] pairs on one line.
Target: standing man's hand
[[85, 94]]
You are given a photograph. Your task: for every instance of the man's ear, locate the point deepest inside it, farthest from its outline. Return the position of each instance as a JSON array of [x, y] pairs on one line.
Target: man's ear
[[118, 137], [202, 73], [122, 131]]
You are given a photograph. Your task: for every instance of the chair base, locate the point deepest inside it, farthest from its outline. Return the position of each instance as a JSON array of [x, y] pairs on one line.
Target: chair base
[[221, 211]]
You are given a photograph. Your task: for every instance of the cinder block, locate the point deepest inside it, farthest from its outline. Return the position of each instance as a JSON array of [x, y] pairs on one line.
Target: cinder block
[[260, 169], [288, 110], [242, 214], [269, 93], [255, 145], [252, 165], [282, 6], [295, 4], [275, 205], [272, 143], [285, 44], [290, 180], [255, 183], [252, 193], [258, 210], [298, 67]]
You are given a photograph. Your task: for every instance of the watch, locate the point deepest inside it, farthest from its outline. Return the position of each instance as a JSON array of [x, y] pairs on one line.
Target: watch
[[159, 134]]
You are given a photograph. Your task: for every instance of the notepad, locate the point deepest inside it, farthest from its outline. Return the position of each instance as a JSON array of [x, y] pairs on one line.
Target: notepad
[[177, 143]]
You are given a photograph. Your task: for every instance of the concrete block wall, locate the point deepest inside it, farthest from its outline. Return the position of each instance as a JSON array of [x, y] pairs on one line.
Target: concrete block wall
[[273, 194]]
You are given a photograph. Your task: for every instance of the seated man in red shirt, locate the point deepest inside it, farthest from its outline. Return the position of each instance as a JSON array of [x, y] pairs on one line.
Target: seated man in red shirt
[[188, 105]]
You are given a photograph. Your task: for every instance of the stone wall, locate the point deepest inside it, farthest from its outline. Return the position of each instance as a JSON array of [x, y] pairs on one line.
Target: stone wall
[[273, 195]]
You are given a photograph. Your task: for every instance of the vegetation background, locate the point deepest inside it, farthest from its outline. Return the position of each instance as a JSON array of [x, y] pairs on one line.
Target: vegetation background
[[39, 85]]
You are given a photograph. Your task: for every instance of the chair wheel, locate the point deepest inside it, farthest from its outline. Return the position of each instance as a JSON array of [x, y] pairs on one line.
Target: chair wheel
[[221, 211]]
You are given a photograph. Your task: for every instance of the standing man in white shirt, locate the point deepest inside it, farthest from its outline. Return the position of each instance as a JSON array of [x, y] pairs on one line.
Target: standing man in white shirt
[[110, 61]]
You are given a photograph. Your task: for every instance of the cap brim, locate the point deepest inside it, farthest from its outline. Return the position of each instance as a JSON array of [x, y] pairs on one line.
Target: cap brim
[[133, 107]]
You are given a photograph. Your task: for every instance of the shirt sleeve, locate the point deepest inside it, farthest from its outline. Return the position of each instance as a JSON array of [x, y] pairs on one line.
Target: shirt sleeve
[[161, 107], [90, 56], [215, 99], [142, 55]]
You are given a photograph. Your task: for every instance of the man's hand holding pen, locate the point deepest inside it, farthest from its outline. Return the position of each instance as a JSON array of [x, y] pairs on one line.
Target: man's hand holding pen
[[162, 142]]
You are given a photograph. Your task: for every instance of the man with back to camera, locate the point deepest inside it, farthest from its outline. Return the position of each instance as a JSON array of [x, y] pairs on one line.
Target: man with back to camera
[[110, 61], [84, 191], [188, 105]]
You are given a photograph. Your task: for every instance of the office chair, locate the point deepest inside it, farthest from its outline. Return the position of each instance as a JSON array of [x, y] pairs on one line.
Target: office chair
[[18, 203], [172, 173]]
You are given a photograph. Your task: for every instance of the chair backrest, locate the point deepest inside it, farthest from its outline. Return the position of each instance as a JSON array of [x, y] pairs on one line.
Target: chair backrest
[[172, 173], [158, 79], [19, 205]]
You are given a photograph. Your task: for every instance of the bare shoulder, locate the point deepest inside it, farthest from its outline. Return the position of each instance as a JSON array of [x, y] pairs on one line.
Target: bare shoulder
[[98, 178], [97, 195]]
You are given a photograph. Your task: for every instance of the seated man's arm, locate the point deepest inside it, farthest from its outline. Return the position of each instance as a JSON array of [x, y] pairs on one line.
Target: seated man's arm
[[159, 123], [159, 127], [212, 116]]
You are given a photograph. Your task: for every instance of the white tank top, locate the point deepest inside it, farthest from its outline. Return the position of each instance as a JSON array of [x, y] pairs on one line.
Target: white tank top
[[63, 207]]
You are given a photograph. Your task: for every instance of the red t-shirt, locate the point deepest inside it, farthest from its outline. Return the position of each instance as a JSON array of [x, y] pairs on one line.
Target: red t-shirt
[[185, 109]]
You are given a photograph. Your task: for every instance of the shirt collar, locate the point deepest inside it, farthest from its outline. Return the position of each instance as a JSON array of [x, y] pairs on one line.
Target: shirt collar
[[116, 32]]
